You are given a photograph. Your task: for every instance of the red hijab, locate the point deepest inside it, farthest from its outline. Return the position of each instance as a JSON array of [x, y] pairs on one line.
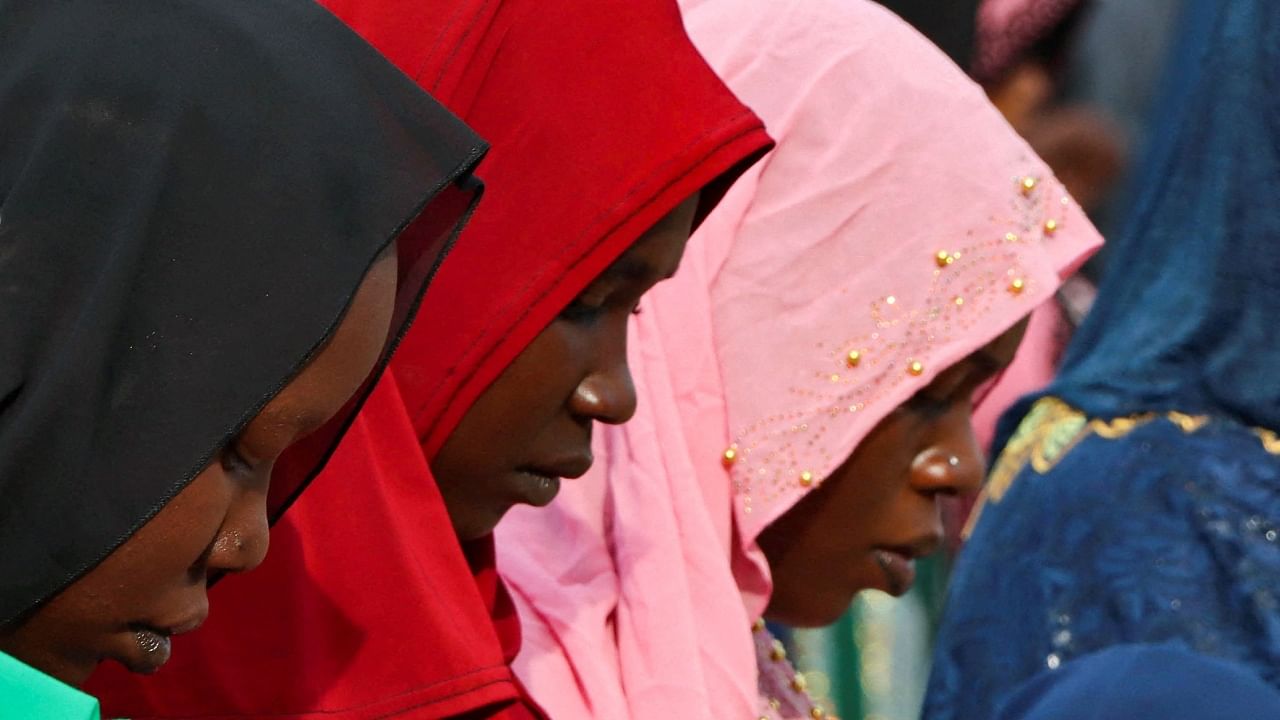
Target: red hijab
[[602, 118]]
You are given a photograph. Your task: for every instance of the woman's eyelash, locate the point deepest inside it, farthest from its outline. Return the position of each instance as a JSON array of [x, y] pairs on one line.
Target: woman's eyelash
[[929, 406], [578, 311]]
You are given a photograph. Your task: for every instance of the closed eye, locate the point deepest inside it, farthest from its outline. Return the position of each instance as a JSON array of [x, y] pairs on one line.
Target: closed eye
[[581, 312], [929, 407], [233, 461]]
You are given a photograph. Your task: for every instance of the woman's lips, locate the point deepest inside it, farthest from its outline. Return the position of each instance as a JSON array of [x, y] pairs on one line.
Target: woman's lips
[[899, 570], [538, 485], [152, 646], [536, 489], [151, 650]]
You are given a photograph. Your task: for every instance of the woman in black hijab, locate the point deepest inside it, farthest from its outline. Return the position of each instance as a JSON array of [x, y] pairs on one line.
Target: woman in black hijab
[[198, 203]]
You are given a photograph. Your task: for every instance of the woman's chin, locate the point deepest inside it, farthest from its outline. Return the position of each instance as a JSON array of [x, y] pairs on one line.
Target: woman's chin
[[479, 525], [810, 609]]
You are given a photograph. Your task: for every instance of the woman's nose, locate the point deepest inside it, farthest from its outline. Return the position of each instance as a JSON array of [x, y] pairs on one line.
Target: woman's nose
[[241, 543], [607, 395], [951, 465]]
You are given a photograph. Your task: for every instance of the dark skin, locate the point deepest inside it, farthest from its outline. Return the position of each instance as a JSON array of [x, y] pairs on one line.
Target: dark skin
[[154, 585], [532, 426], [864, 525]]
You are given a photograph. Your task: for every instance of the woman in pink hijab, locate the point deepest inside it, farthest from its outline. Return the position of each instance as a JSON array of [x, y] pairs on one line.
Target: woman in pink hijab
[[805, 380]]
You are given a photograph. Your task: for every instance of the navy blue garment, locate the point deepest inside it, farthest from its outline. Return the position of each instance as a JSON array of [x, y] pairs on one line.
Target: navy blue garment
[[1135, 682], [1139, 498], [1157, 534]]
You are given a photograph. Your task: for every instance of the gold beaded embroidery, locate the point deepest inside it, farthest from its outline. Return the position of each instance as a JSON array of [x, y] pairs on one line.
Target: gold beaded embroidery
[[730, 456], [778, 454], [779, 651]]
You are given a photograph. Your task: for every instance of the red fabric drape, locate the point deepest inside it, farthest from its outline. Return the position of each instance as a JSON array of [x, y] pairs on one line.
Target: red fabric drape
[[602, 118]]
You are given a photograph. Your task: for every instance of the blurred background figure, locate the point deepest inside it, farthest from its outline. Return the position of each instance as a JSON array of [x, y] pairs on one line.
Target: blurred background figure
[[1113, 64], [1077, 79], [1020, 54], [1135, 500]]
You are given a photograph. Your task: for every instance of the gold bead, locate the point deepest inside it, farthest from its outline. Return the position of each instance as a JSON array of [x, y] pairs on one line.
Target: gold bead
[[1017, 286], [1011, 237], [943, 258], [758, 625], [853, 358], [959, 301], [779, 652], [730, 456], [891, 300], [798, 683], [1050, 226], [817, 713], [1028, 184], [775, 703], [806, 479], [915, 367]]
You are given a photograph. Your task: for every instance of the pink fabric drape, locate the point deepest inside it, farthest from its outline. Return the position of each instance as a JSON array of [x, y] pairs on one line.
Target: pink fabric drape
[[638, 587]]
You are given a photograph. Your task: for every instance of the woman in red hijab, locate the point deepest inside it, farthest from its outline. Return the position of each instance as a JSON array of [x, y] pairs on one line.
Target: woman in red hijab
[[610, 138]]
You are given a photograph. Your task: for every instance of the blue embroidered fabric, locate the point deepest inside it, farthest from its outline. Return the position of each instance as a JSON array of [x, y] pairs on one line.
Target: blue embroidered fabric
[[1166, 530], [1155, 536], [1128, 682]]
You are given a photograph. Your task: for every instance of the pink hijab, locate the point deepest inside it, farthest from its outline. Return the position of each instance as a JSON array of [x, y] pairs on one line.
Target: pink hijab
[[899, 218]]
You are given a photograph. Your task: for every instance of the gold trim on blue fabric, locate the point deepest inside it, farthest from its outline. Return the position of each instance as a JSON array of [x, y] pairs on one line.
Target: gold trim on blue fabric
[[1053, 428]]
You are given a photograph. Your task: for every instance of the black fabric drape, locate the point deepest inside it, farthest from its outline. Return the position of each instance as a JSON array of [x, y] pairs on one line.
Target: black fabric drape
[[190, 193], [950, 24]]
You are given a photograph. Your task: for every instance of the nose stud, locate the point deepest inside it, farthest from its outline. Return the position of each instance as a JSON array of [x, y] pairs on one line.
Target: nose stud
[[953, 461]]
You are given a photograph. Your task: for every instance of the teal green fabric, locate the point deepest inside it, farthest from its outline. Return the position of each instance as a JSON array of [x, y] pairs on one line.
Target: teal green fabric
[[874, 661], [28, 694]]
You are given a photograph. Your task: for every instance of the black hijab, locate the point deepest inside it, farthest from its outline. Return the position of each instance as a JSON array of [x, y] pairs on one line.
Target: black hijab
[[190, 193], [950, 25]]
